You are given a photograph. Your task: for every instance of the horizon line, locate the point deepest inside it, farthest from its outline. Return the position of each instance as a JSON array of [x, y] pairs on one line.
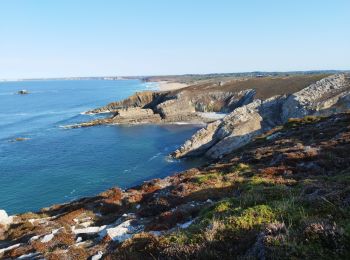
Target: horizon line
[[115, 77]]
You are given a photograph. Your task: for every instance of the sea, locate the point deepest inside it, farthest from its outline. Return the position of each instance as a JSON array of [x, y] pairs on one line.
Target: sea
[[43, 163]]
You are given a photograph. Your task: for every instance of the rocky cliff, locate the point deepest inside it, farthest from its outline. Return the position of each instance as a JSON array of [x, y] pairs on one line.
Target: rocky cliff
[[326, 96], [174, 106], [191, 103]]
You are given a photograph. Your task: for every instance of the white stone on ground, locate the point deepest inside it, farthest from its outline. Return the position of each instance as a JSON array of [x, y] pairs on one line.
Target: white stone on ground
[[4, 218], [123, 231], [29, 256], [186, 224], [97, 256], [49, 237], [3, 250], [88, 230]]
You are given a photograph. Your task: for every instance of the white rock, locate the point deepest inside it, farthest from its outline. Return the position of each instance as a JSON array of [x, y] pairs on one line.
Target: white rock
[[123, 231], [186, 224], [3, 250], [86, 224], [88, 230], [34, 238], [29, 256], [49, 237], [4, 218], [97, 256]]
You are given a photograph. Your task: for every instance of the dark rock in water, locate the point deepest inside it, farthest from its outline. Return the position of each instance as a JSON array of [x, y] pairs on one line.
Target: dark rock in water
[[19, 139], [23, 92]]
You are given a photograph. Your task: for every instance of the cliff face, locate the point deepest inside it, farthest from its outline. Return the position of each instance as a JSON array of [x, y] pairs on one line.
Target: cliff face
[[188, 104], [325, 97], [167, 107], [285, 195], [145, 99]]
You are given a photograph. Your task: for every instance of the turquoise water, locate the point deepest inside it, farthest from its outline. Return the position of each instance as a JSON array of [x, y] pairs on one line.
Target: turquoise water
[[56, 165]]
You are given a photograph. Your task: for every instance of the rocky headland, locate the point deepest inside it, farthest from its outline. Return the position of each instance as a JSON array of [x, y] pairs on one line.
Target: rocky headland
[[191, 104], [252, 107]]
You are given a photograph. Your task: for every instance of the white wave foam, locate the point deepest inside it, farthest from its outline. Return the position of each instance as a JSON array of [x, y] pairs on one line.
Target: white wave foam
[[154, 157], [170, 159]]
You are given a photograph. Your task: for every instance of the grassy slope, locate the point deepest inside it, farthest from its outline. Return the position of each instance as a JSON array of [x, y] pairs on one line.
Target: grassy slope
[[265, 87]]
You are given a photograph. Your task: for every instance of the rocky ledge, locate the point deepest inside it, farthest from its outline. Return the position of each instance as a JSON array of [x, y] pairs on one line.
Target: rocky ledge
[[285, 195]]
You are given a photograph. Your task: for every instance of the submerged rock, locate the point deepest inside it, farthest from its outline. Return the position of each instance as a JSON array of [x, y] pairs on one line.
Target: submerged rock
[[23, 92]]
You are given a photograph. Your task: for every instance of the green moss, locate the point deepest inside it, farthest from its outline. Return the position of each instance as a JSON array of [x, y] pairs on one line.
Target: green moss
[[256, 180], [179, 237], [219, 209], [207, 177], [252, 217], [295, 122], [241, 167]]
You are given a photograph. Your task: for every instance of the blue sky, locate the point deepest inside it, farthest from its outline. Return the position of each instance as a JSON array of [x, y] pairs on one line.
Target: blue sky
[[54, 38]]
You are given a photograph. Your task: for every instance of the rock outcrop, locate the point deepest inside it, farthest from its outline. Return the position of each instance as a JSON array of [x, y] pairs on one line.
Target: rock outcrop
[[169, 107], [325, 97], [134, 115], [23, 92], [145, 99]]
